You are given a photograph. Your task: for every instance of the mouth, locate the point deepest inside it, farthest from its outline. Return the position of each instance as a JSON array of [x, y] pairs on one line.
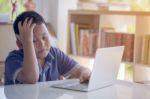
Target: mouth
[[42, 51]]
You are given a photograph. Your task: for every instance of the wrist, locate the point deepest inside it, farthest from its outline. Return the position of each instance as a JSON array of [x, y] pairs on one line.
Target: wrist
[[27, 45], [27, 41]]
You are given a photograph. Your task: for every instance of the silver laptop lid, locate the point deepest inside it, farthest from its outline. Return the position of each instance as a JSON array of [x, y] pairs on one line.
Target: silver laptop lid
[[106, 66]]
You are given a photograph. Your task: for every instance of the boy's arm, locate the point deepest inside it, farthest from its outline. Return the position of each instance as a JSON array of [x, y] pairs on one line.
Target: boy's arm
[[30, 70], [82, 73]]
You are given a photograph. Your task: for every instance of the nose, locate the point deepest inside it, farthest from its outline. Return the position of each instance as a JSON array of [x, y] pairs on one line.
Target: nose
[[41, 43]]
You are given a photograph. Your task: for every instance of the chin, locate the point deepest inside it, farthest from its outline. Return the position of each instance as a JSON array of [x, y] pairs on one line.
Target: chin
[[42, 56]]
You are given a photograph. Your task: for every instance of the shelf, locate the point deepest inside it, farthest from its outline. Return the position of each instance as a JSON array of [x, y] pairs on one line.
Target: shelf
[[98, 20], [89, 12]]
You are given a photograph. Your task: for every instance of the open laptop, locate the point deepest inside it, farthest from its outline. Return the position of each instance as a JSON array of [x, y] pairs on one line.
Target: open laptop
[[104, 72]]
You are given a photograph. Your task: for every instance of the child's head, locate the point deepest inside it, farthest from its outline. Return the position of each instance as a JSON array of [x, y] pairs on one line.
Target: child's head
[[41, 40], [38, 19]]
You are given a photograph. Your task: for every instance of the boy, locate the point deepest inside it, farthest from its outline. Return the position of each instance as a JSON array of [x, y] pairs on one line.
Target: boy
[[36, 60]]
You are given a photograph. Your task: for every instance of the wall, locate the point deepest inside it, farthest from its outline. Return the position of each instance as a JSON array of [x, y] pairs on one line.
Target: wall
[[62, 21], [44, 7], [53, 13], [120, 26], [7, 40], [56, 12]]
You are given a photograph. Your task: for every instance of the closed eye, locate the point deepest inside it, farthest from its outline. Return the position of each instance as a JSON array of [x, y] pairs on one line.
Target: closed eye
[[44, 36], [34, 41]]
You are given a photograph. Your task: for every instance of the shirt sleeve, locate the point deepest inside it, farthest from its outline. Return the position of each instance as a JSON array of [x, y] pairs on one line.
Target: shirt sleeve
[[65, 63], [13, 65]]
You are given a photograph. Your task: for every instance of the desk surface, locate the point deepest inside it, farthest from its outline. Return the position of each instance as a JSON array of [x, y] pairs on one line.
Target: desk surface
[[121, 90]]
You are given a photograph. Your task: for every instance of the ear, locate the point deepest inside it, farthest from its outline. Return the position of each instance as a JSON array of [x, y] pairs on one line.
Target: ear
[[19, 44]]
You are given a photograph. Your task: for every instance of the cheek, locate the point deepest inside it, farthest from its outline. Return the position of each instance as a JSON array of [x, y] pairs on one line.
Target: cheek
[[47, 42], [36, 48]]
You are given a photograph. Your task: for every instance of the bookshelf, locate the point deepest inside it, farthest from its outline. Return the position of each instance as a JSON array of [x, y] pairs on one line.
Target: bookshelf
[[95, 22]]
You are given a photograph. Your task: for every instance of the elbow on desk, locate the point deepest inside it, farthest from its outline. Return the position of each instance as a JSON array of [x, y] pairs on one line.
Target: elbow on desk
[[33, 81], [30, 79]]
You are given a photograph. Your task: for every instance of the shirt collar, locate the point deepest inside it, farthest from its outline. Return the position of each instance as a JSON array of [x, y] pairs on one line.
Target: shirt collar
[[49, 57], [48, 62]]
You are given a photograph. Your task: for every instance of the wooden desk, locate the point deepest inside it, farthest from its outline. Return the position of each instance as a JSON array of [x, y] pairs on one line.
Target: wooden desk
[[121, 90]]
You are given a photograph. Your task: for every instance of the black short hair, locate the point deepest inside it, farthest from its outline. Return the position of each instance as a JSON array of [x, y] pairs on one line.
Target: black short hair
[[37, 18]]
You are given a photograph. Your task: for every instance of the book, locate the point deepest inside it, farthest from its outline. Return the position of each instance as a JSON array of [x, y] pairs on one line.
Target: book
[[145, 49], [112, 38], [94, 36], [80, 27], [73, 38], [128, 42], [85, 43], [148, 60], [77, 38], [104, 30]]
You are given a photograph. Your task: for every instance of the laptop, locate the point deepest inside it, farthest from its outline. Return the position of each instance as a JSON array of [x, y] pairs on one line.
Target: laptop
[[104, 72]]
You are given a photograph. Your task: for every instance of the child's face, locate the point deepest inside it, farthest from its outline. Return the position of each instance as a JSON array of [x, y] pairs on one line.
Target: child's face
[[41, 41]]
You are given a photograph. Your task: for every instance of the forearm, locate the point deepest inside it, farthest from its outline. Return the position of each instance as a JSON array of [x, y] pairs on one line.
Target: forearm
[[30, 70], [78, 71]]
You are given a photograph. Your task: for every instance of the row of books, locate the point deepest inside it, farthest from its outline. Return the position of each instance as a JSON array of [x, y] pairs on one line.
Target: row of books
[[110, 38], [85, 41]]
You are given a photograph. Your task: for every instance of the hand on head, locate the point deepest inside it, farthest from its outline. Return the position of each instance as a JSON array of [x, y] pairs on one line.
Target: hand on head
[[26, 30]]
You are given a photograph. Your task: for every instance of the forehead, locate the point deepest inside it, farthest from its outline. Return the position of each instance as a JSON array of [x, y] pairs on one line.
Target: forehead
[[40, 29]]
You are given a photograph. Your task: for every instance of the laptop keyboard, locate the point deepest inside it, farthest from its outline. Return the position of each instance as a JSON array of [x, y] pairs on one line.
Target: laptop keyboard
[[79, 86], [73, 85], [69, 83]]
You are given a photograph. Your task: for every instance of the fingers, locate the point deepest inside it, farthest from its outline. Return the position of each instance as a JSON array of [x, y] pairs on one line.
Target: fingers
[[25, 22], [26, 29], [84, 78], [33, 25], [28, 22]]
